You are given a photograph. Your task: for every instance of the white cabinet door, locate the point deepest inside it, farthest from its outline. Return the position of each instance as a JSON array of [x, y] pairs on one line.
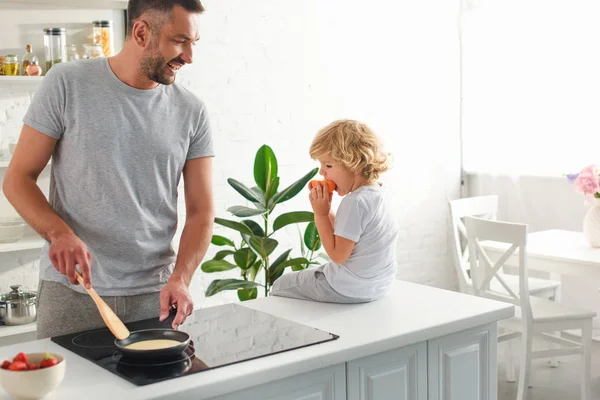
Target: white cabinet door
[[399, 374], [324, 384], [462, 366]]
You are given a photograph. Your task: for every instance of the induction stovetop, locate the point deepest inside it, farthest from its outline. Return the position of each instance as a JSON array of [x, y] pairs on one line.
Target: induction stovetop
[[220, 336]]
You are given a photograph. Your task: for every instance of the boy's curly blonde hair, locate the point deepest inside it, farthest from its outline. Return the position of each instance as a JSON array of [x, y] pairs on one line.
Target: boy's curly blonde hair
[[353, 145]]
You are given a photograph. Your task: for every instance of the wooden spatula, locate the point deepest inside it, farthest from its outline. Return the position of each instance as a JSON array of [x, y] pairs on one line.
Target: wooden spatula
[[111, 320]]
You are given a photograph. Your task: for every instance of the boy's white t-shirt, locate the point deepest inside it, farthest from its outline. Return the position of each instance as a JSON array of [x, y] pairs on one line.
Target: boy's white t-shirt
[[365, 217]]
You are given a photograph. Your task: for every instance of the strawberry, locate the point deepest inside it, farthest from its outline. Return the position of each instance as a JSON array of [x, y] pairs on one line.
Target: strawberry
[[5, 364], [18, 366], [32, 366], [21, 357], [48, 361]]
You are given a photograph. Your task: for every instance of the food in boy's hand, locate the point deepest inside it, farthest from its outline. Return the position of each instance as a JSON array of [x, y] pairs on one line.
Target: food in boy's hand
[[330, 184], [20, 363]]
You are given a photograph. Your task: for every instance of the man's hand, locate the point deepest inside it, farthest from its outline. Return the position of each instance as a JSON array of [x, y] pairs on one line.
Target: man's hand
[[176, 294], [320, 200], [66, 252]]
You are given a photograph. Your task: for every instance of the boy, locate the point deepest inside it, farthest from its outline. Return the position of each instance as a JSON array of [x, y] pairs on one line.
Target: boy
[[361, 239]]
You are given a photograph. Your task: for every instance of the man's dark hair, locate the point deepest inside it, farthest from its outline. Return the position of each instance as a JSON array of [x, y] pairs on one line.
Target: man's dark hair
[[136, 8]]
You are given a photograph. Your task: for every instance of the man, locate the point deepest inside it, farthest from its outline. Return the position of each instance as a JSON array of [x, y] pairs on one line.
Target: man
[[120, 135]]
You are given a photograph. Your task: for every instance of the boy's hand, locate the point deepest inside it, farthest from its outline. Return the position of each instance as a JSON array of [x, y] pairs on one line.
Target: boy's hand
[[320, 200]]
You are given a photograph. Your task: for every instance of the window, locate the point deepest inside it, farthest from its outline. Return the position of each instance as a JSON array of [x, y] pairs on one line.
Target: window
[[531, 86]]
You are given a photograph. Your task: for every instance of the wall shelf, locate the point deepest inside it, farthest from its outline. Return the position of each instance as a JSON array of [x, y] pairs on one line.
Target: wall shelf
[[25, 243], [78, 4], [6, 330], [21, 79]]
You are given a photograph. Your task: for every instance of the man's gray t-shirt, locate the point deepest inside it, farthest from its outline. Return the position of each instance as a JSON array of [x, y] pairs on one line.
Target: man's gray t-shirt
[[115, 170]]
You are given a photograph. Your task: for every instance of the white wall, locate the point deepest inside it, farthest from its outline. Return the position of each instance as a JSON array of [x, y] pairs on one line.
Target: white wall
[[273, 72]]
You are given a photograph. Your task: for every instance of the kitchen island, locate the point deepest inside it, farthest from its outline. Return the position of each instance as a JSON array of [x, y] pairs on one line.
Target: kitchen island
[[417, 343]]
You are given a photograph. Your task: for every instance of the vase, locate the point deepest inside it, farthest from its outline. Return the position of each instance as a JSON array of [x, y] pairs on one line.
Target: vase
[[591, 224]]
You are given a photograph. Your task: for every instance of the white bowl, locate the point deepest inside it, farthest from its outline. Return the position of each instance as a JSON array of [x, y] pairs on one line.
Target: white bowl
[[11, 229], [34, 384]]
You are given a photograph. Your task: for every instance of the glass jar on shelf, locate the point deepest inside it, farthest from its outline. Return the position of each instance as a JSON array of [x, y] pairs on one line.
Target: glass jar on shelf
[[55, 43], [28, 59], [2, 65], [72, 54], [92, 51], [104, 36], [34, 69], [11, 65]]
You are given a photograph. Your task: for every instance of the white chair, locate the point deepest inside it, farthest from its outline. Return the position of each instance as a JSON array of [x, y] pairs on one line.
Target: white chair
[[533, 315], [487, 207]]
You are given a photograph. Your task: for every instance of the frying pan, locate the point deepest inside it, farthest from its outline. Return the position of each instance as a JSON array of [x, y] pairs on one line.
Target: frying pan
[[125, 337], [154, 334], [159, 369]]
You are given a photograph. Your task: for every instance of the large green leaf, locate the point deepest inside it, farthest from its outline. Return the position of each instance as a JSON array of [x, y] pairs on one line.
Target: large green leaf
[[234, 225], [265, 167], [263, 246], [259, 194], [247, 294], [293, 189], [243, 190], [255, 269], [302, 246], [219, 240], [292, 218], [282, 257], [242, 212], [222, 254], [244, 258], [217, 266], [282, 266], [219, 285], [254, 227], [272, 189], [311, 237]]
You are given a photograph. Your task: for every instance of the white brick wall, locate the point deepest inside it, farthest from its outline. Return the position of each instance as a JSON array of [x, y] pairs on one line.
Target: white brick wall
[[273, 72]]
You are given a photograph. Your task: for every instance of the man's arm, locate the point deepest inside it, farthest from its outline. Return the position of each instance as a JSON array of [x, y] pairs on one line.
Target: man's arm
[[20, 188], [195, 238]]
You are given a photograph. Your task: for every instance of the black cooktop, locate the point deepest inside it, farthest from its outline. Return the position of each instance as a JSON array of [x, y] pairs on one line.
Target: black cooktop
[[220, 336]]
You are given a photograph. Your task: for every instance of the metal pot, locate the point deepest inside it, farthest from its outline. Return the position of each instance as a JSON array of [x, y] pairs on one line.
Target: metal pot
[[18, 307]]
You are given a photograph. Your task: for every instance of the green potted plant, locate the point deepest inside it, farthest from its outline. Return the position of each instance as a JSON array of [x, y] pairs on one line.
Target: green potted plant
[[253, 253]]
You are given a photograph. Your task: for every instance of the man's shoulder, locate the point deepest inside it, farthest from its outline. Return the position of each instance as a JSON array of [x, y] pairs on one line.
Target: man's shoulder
[[77, 68], [186, 97]]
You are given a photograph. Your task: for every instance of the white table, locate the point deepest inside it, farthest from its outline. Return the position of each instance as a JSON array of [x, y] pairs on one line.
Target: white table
[[555, 251]]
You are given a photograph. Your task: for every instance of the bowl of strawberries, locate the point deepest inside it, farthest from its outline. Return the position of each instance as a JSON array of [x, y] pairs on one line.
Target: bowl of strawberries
[[32, 375]]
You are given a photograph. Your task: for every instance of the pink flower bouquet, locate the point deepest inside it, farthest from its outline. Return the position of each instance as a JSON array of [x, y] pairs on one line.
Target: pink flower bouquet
[[587, 182]]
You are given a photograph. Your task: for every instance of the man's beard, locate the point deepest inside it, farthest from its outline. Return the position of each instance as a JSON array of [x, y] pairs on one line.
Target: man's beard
[[153, 67]]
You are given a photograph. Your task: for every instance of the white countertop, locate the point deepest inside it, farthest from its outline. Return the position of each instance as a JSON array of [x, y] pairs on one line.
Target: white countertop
[[556, 245], [411, 313]]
